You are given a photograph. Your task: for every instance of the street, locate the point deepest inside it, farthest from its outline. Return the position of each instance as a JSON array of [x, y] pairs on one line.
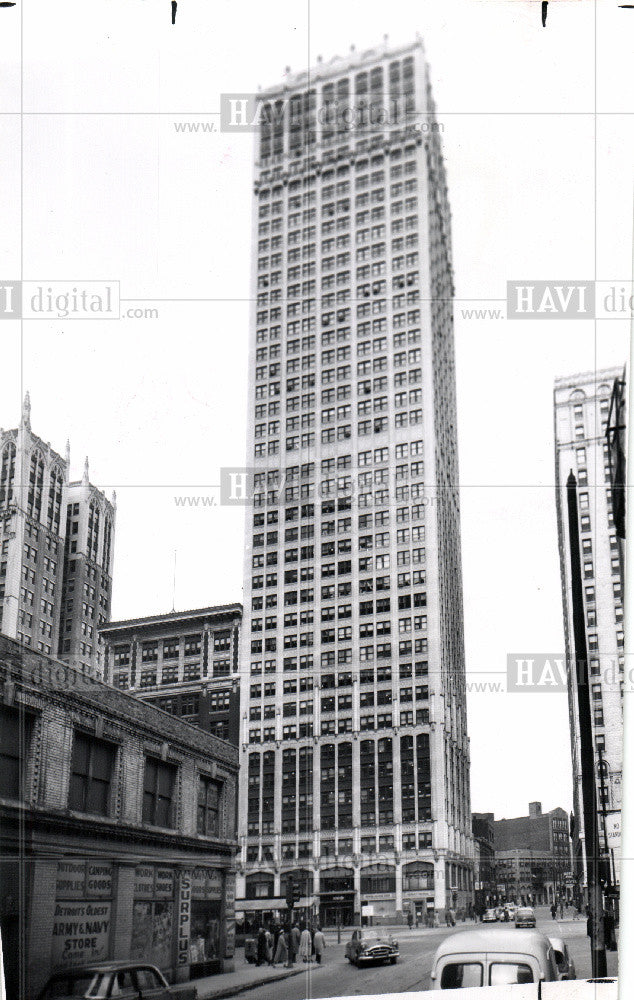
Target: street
[[336, 977]]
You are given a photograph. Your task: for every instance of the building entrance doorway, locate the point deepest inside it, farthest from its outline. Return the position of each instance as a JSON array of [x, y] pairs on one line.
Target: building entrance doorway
[[332, 914]]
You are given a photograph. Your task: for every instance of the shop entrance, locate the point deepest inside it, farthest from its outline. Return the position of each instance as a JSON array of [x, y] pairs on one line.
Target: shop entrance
[[333, 914]]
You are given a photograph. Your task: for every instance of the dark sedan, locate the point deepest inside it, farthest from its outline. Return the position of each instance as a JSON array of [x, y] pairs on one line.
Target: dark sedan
[[370, 946], [124, 980], [525, 917]]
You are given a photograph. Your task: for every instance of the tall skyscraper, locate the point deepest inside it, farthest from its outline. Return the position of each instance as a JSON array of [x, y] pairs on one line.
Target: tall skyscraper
[[56, 543], [582, 406], [355, 756]]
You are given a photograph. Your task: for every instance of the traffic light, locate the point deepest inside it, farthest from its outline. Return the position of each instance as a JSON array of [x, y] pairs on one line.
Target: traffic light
[[294, 893], [290, 893]]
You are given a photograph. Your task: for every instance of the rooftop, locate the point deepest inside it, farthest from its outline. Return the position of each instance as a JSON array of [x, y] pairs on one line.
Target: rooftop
[[219, 610], [341, 64]]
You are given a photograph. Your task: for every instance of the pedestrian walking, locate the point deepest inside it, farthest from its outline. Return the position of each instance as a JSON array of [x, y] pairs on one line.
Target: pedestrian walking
[[305, 945], [319, 943], [261, 953], [281, 949], [296, 934], [290, 946], [452, 917], [561, 909], [553, 911], [410, 920]]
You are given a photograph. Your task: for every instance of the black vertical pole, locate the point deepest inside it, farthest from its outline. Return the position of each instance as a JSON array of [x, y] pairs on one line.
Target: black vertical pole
[[604, 817], [588, 783]]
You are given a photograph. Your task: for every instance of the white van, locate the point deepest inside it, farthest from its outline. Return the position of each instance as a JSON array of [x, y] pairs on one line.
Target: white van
[[493, 956]]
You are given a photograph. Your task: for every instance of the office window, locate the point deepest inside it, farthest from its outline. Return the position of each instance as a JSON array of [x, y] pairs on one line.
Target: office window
[[158, 792], [13, 725], [92, 769], [208, 815]]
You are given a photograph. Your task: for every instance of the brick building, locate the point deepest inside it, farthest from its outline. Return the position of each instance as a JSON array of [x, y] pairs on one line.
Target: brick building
[[117, 828], [542, 840], [185, 662]]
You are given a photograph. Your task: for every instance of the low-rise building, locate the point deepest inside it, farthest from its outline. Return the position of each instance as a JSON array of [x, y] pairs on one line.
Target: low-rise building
[[185, 662], [117, 828], [537, 848]]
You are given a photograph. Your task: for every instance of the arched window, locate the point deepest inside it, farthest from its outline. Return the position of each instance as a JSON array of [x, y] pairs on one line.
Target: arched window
[[36, 481], [55, 486], [259, 885], [337, 880], [418, 875], [378, 878], [7, 475]]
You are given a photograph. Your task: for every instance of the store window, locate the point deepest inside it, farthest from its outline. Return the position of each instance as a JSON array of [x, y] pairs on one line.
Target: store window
[[153, 925], [206, 930]]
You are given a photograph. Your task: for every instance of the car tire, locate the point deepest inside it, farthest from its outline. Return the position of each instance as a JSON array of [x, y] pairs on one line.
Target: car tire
[[393, 961]]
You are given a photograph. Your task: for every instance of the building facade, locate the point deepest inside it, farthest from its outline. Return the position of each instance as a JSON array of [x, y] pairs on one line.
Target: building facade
[[354, 749], [484, 871], [582, 408], [541, 841], [117, 829], [56, 547], [185, 662], [526, 877]]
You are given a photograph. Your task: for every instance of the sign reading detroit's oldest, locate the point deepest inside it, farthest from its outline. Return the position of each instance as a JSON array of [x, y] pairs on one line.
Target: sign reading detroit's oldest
[[80, 932]]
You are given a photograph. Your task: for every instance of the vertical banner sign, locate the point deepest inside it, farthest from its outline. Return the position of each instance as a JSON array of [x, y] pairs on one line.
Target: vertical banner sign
[[184, 917], [230, 914]]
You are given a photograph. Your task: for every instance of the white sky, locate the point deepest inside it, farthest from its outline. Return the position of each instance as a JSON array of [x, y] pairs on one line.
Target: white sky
[[160, 405]]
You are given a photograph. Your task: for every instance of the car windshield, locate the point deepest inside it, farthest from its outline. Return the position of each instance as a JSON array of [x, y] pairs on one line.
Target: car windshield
[[72, 986], [374, 939]]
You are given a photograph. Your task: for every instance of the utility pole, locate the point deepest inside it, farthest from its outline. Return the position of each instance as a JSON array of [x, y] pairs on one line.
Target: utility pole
[[602, 770], [588, 781]]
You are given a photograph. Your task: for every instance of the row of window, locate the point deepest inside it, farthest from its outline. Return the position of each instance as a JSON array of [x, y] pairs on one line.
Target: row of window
[[170, 648], [93, 770], [332, 727]]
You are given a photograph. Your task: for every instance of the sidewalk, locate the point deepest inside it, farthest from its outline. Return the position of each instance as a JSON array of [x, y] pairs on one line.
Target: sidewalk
[[246, 977]]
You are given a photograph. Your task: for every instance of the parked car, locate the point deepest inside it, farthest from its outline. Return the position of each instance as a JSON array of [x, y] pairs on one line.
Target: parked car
[[123, 980], [493, 956], [525, 917], [369, 945], [565, 965], [489, 916]]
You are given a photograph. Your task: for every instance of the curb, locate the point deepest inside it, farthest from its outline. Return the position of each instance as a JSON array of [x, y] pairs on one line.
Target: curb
[[232, 991]]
